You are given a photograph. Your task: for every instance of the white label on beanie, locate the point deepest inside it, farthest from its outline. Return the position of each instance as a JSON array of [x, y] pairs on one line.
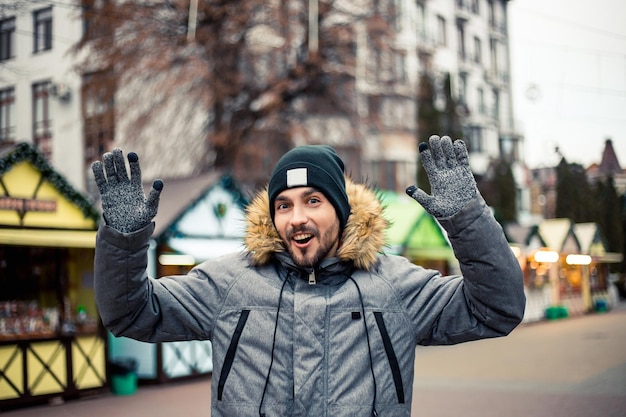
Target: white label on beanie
[[296, 177]]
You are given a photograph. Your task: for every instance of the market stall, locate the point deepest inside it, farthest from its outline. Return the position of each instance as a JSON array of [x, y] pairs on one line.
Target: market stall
[[415, 234], [199, 218], [51, 344], [567, 269], [599, 293]]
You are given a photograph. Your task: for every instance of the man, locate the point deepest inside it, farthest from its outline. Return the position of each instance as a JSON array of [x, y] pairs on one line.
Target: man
[[311, 320]]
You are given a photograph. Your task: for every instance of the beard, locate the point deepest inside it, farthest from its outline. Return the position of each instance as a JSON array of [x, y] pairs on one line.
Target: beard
[[308, 258]]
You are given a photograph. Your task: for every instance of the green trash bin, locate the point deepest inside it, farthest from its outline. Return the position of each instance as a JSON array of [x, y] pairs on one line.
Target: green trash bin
[[556, 312], [123, 376]]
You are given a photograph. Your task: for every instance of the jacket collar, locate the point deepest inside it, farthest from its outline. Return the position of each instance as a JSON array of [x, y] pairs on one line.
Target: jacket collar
[[363, 236]]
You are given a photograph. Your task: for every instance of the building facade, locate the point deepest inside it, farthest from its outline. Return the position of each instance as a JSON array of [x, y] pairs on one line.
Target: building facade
[[39, 92], [45, 102]]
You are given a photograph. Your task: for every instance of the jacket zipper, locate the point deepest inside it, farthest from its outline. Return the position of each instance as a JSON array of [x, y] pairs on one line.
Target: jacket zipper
[[230, 353], [391, 356], [312, 280]]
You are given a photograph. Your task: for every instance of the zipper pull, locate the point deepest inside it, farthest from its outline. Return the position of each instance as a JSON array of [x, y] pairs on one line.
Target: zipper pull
[[312, 280]]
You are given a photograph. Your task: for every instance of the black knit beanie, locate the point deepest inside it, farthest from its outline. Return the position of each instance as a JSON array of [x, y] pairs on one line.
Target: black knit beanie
[[316, 166]]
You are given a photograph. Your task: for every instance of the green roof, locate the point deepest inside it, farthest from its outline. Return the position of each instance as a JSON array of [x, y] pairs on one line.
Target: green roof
[[413, 232]]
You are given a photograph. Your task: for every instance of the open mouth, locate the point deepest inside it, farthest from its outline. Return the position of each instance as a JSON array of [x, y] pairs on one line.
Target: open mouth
[[303, 238]]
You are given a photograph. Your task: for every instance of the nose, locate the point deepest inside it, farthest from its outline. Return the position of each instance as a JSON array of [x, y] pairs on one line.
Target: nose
[[299, 215]]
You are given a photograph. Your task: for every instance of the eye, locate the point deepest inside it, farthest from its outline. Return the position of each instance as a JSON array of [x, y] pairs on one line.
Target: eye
[[282, 206], [314, 200]]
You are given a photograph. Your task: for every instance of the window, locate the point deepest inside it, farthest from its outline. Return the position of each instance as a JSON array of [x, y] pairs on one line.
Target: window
[[42, 22], [399, 14], [421, 22], [441, 31], [387, 65], [94, 28], [7, 39], [463, 88], [7, 115], [88, 25], [98, 114], [481, 101], [491, 13], [477, 50], [42, 123], [474, 139], [389, 175], [509, 148], [475, 6], [493, 49], [400, 66], [496, 104], [461, 39]]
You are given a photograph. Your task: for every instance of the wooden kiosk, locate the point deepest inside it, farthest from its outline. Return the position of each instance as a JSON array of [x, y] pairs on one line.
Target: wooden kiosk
[[51, 343], [199, 218]]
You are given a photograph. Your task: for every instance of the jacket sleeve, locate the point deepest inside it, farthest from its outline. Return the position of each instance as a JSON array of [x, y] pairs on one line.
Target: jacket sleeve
[[134, 305], [486, 301]]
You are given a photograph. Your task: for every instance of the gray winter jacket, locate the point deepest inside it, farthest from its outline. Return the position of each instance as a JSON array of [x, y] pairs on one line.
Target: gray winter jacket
[[333, 342]]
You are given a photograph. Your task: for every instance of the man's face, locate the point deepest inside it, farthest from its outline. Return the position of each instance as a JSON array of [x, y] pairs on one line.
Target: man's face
[[308, 224]]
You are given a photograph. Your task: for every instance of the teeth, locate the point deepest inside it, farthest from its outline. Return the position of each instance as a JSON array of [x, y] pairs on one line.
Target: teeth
[[302, 237]]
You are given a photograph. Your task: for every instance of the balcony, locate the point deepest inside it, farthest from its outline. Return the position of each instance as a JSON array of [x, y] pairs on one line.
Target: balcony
[[463, 12]]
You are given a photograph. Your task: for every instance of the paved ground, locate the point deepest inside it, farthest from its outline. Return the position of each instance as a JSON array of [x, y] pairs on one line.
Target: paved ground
[[573, 367], [567, 368]]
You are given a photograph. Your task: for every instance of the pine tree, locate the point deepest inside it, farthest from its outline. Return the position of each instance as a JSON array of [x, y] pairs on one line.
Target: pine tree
[[609, 215], [432, 121], [428, 122], [573, 193], [500, 191]]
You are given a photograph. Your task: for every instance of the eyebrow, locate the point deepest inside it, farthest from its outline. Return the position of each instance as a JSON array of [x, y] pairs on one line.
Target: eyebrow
[[305, 193]]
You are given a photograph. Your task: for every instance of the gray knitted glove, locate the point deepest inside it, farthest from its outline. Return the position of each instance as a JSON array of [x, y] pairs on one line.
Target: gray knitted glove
[[124, 205], [451, 180]]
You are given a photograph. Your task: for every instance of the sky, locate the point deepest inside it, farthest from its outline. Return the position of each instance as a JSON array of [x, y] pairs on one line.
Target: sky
[[568, 69]]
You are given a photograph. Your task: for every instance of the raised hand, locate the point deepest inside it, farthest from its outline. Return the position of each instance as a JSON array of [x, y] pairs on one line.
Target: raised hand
[[124, 204], [451, 180]]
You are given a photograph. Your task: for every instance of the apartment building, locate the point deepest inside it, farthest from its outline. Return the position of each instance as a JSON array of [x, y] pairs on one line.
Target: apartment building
[[464, 41], [45, 102], [39, 92], [474, 47], [468, 39]]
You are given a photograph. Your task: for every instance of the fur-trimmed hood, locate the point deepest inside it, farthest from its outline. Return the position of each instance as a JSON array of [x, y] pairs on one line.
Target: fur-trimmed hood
[[363, 236]]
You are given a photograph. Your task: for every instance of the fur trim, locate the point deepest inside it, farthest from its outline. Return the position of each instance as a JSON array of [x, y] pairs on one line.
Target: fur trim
[[363, 236]]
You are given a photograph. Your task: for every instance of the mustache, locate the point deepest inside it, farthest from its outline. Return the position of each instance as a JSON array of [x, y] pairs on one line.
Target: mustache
[[301, 229]]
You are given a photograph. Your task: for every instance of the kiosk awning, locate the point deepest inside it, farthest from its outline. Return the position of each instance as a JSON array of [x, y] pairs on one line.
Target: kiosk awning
[[413, 232], [49, 238]]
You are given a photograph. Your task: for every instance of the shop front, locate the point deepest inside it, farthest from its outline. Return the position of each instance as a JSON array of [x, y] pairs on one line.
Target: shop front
[[51, 344], [567, 270], [594, 267]]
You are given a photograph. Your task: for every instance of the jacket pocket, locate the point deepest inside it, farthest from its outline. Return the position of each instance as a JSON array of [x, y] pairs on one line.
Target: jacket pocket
[[230, 353], [391, 356]]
